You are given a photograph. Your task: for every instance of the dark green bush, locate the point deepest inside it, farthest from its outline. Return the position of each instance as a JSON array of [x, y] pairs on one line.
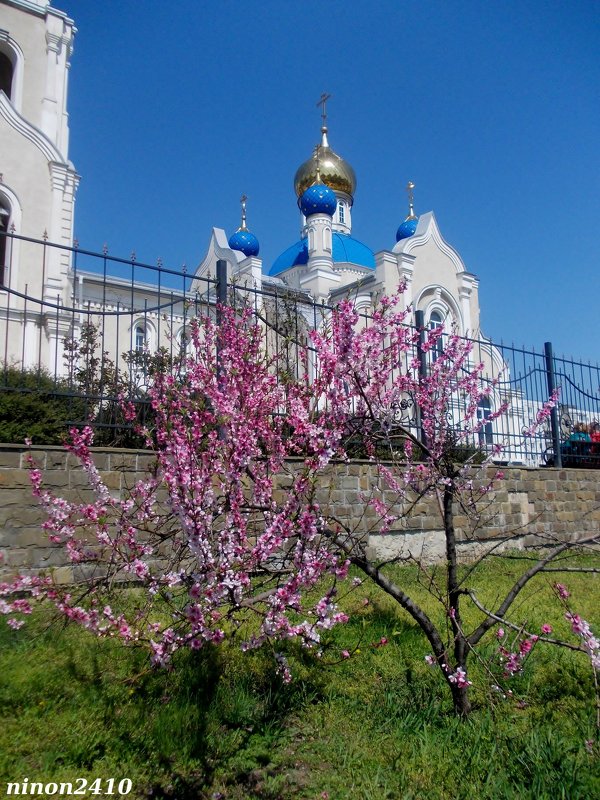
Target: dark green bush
[[35, 405]]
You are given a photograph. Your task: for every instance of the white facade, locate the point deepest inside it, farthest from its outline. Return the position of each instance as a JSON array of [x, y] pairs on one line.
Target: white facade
[[37, 181]]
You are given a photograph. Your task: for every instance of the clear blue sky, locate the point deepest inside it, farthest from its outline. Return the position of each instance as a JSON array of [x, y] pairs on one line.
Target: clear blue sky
[[491, 108]]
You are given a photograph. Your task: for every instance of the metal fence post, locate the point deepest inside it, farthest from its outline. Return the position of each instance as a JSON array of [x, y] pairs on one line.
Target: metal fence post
[[550, 378], [422, 358], [221, 302]]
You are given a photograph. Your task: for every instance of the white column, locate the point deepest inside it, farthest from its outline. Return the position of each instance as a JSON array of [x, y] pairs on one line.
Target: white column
[[320, 277]]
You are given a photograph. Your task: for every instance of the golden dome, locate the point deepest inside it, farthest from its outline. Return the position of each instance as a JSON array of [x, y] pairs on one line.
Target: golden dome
[[333, 170]]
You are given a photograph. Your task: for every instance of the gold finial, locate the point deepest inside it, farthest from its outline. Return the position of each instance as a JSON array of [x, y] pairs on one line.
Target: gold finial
[[411, 209], [317, 159], [322, 102], [243, 227]]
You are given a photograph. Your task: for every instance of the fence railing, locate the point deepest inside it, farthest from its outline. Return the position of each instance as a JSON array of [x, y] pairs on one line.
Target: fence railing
[[79, 329]]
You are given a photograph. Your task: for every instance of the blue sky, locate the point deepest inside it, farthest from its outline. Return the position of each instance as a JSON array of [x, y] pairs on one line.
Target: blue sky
[[491, 108]]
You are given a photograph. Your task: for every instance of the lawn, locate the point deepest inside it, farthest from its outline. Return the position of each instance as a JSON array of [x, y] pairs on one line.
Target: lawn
[[220, 724]]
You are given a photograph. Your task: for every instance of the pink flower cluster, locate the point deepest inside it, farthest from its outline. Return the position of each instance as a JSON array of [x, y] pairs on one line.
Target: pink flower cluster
[[590, 643], [513, 660]]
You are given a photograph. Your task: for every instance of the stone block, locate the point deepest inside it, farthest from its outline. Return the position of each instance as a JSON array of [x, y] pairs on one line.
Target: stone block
[[56, 459], [72, 462], [63, 575], [123, 462], [146, 463], [55, 479], [78, 478], [14, 478], [51, 556], [18, 557], [10, 459], [28, 537], [112, 480]]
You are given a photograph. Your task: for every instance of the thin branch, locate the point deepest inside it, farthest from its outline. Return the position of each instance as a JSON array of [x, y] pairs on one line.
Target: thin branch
[[523, 581], [520, 628]]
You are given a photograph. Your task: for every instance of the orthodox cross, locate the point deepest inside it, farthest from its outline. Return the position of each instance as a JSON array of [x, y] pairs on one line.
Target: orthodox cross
[[323, 100], [409, 188], [243, 199]]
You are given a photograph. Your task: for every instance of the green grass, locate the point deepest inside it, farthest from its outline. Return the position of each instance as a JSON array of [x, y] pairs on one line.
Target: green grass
[[379, 725]]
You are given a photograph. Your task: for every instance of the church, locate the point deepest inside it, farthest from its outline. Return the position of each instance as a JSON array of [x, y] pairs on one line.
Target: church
[[46, 293], [328, 263]]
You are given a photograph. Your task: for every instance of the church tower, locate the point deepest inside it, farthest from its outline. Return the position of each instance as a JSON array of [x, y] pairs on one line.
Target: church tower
[[37, 181], [349, 259]]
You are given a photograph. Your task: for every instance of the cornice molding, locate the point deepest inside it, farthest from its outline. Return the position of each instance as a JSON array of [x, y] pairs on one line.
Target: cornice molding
[[29, 131]]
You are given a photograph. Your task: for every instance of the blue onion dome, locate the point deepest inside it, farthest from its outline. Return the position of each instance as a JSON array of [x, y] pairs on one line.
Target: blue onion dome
[[242, 239], [408, 227], [318, 199]]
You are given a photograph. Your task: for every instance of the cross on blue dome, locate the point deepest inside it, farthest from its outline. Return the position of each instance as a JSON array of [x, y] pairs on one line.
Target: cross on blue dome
[[243, 240], [409, 226]]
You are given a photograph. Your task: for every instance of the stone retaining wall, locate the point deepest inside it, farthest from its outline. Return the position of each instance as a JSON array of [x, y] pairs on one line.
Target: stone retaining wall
[[529, 503]]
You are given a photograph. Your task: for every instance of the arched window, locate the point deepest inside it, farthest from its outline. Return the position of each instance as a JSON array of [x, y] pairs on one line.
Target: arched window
[[341, 211], [4, 223], [435, 322], [484, 411], [140, 341], [6, 75]]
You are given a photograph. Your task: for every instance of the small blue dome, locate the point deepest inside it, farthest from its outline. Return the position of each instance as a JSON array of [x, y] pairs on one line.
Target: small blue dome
[[318, 199], [408, 227], [244, 241]]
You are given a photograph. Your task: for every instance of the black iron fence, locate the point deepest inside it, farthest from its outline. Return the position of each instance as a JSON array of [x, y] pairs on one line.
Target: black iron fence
[[80, 329]]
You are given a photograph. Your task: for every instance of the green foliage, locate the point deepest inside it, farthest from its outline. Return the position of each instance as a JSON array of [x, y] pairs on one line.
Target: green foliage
[[35, 405], [94, 376]]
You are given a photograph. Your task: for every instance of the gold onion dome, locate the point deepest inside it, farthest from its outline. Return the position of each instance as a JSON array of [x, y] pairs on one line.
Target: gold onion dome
[[332, 170]]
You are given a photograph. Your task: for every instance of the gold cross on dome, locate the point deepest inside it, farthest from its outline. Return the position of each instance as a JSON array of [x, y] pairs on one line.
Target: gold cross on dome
[[322, 102]]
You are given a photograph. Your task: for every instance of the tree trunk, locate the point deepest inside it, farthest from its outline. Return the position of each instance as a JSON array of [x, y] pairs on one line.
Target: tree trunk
[[460, 700]]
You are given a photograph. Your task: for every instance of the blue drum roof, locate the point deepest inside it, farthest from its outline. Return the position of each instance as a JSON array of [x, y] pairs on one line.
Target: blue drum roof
[[345, 248]]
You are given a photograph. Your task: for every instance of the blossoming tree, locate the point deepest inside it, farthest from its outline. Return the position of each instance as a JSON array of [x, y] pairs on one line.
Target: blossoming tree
[[226, 535]]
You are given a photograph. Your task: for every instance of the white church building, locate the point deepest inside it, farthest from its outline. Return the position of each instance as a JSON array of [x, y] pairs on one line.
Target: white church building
[[45, 295]]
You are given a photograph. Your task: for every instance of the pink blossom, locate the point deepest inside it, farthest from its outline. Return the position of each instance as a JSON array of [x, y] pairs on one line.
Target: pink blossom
[[546, 628], [459, 678]]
